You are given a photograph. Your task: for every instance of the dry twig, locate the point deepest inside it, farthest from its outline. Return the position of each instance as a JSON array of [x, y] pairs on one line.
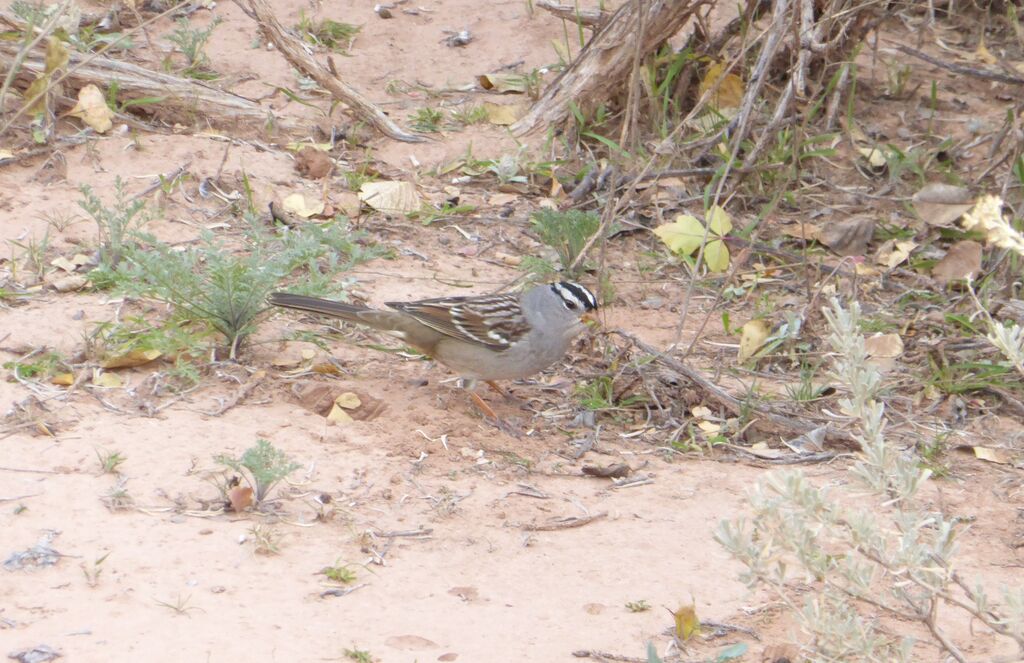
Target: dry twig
[[294, 52]]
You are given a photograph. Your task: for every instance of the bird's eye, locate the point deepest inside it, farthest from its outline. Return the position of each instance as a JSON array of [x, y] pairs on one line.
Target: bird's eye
[[571, 305]]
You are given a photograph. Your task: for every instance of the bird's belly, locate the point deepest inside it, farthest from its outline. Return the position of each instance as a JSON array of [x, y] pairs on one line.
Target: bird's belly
[[479, 363]]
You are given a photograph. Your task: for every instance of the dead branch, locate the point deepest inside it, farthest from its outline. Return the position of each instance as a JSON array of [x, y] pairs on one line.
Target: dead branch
[[294, 52], [565, 523], [789, 425], [607, 59], [181, 97], [974, 72], [591, 18]]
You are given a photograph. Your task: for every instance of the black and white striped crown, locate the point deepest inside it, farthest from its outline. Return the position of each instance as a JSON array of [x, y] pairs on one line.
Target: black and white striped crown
[[575, 296]]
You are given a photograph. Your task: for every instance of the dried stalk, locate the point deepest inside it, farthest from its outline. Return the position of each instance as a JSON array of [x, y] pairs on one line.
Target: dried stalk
[[328, 79]]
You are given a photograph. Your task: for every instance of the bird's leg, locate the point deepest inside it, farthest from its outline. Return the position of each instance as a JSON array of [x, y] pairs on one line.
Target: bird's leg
[[485, 409], [489, 415], [508, 395], [482, 405]]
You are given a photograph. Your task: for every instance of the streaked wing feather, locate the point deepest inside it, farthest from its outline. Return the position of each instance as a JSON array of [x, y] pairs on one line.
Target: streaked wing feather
[[477, 320]]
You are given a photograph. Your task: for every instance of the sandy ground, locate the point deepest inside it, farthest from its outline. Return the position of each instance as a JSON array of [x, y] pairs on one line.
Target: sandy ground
[[435, 512]]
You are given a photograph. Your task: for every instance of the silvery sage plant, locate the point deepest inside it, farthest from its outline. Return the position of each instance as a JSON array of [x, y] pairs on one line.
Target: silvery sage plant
[[855, 567]]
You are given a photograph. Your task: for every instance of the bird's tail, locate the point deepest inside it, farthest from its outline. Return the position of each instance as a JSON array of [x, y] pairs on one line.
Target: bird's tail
[[317, 305]]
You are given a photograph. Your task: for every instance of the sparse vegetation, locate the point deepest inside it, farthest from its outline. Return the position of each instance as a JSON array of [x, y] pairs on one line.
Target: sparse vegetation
[[326, 33], [427, 120], [894, 555], [567, 233], [93, 570], [117, 229], [358, 655], [847, 159], [261, 466], [211, 287], [109, 461], [339, 573], [191, 43], [265, 540]]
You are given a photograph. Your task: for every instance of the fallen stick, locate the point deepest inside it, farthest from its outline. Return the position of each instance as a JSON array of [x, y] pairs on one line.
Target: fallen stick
[[592, 18], [960, 68], [294, 52], [565, 523], [180, 97], [790, 425]]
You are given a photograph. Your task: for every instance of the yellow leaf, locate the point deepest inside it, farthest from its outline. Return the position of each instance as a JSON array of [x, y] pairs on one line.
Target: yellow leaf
[[284, 361], [92, 109], [719, 221], [687, 624], [56, 55], [325, 368], [348, 400], [884, 346], [895, 252], [132, 358], [683, 236], [504, 114], [60, 262], [730, 91], [752, 337], [709, 426], [394, 197], [686, 234], [297, 205], [983, 54], [991, 455], [63, 379], [503, 82], [338, 415], [110, 380], [38, 86], [762, 450], [875, 157], [701, 412], [323, 147], [716, 256]]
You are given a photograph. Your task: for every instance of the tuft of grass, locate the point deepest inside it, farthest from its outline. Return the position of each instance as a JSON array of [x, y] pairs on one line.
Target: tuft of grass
[[110, 461], [359, 655], [265, 540], [262, 466], [180, 606], [38, 365], [805, 390], [192, 44], [638, 606], [427, 120], [116, 228], [326, 33], [469, 115], [567, 232], [33, 256], [92, 571], [598, 395], [429, 214], [340, 573]]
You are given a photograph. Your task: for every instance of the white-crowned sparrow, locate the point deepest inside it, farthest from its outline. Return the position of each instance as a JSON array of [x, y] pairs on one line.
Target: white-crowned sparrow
[[489, 337]]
